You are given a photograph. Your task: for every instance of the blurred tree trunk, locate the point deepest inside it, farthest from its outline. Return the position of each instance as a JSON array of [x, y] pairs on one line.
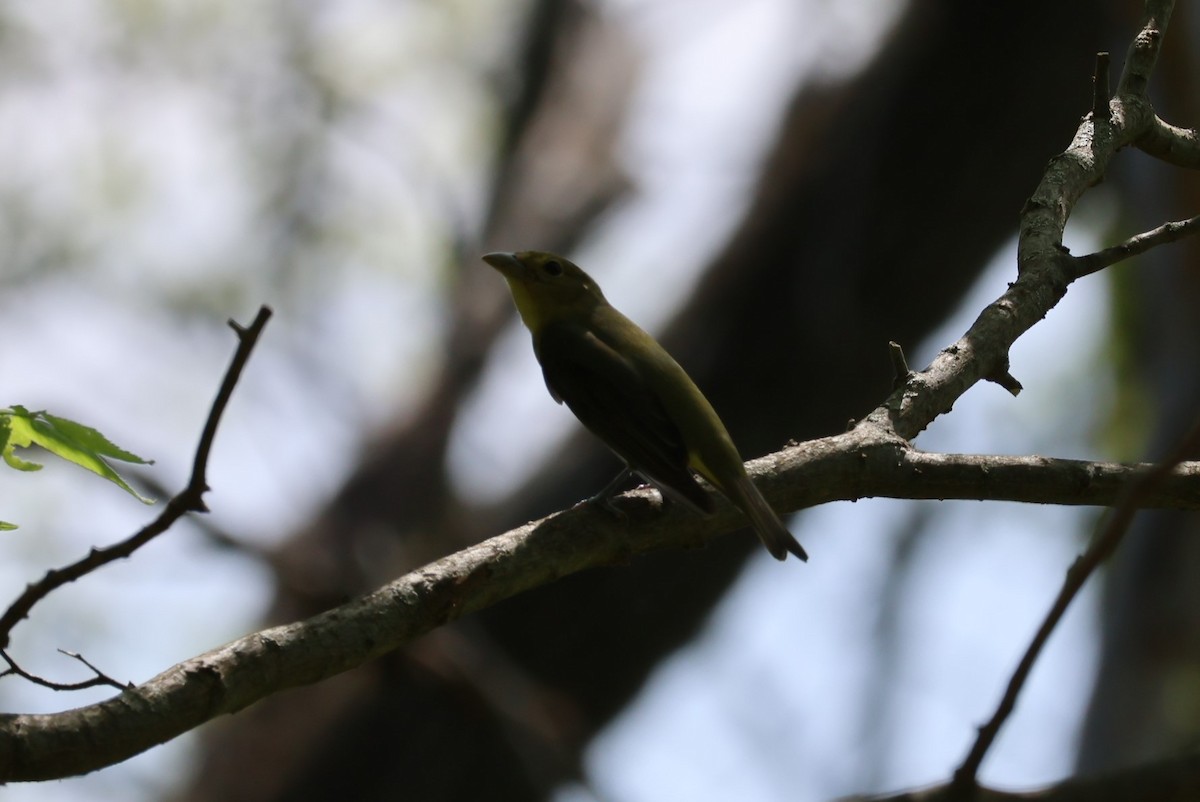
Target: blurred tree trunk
[[881, 200]]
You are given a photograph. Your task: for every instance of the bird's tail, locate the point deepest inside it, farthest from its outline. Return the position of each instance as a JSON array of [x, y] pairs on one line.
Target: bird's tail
[[771, 531]]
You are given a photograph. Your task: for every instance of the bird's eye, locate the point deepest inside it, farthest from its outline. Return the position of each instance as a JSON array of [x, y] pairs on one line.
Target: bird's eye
[[553, 268]]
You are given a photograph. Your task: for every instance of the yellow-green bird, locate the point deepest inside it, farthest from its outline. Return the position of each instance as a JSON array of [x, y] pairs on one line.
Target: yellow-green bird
[[625, 388]]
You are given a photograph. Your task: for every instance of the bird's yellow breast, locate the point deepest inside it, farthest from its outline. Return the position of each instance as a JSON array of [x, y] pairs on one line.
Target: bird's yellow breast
[[531, 311]]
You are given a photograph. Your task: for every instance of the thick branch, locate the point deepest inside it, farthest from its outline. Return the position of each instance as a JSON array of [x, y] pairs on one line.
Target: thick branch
[[848, 466], [1144, 50]]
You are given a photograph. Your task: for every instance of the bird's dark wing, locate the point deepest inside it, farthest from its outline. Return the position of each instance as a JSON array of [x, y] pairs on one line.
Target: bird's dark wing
[[612, 400]]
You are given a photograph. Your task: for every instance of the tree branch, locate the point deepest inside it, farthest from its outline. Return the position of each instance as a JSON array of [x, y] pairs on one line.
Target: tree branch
[[1140, 243], [847, 466], [1175, 779], [1176, 146], [190, 499], [1101, 548], [98, 678], [1044, 268]]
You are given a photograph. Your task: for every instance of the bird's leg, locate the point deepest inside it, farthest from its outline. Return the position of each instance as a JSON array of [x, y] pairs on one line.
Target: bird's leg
[[604, 497]]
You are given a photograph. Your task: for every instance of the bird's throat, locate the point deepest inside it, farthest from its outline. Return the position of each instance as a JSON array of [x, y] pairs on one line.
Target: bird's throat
[[530, 314]]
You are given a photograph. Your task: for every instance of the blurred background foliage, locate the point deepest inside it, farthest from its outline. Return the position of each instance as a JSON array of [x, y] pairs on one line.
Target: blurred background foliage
[[777, 188]]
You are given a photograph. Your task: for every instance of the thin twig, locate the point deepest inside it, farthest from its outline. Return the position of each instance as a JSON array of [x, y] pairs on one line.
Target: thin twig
[[1171, 779], [100, 677], [1102, 547], [1167, 232], [190, 499], [900, 369]]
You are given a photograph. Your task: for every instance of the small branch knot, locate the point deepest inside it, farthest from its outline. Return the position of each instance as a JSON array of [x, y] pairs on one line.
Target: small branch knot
[[1000, 375], [900, 369], [1101, 91]]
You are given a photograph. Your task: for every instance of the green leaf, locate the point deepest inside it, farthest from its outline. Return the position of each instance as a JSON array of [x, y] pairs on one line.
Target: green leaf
[[20, 464], [5, 430], [7, 442], [89, 438], [68, 439]]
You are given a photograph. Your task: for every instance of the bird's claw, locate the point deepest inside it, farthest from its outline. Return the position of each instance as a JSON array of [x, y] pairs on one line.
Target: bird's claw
[[605, 502]]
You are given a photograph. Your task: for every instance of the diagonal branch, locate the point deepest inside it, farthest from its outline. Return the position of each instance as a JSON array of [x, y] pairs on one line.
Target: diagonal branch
[[1044, 268], [1137, 244], [1172, 779], [1101, 548], [190, 499], [848, 466]]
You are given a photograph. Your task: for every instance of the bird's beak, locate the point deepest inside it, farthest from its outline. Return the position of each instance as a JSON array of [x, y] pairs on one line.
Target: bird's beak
[[507, 263]]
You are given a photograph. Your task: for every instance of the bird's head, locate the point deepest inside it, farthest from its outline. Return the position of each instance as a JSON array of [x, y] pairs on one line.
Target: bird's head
[[546, 287]]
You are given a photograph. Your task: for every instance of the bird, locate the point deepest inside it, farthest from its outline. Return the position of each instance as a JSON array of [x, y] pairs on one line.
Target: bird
[[628, 391]]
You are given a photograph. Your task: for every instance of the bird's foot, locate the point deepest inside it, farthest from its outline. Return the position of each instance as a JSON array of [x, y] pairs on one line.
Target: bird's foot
[[605, 502], [604, 498]]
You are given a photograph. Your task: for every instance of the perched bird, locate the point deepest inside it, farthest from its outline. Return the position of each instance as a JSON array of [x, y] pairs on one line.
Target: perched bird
[[625, 388]]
